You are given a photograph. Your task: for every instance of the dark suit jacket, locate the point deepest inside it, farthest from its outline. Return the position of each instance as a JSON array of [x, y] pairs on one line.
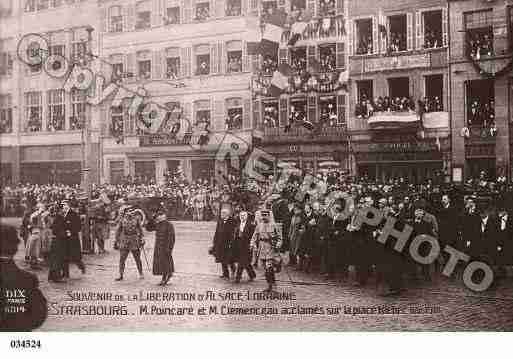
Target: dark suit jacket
[[14, 280], [487, 243], [222, 240], [73, 224], [448, 226], [505, 240], [240, 250]]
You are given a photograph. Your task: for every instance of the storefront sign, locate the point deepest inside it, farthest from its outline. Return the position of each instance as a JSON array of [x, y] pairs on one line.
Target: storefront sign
[[162, 139], [396, 147], [397, 62]]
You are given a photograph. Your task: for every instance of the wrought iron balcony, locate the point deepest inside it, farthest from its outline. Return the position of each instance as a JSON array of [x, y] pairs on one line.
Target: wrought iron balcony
[[301, 134]]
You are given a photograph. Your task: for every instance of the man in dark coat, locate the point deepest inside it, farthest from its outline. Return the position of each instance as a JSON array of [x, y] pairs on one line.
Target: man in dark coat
[[163, 263], [58, 250], [470, 227], [221, 248], [22, 305], [241, 252], [504, 250], [71, 228], [485, 245]]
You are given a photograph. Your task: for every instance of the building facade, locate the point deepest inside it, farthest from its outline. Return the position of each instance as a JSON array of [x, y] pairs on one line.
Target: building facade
[[40, 123], [481, 78], [399, 121], [305, 127], [189, 56]]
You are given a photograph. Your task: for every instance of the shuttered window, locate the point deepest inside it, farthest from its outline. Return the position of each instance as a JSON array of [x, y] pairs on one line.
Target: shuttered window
[[341, 56], [341, 109], [115, 19], [283, 110]]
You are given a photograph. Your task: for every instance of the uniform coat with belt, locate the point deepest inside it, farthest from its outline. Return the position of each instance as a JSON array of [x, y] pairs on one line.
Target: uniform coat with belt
[[163, 250]]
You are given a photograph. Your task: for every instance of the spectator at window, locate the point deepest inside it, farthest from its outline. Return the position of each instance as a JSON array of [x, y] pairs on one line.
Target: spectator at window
[[202, 12], [270, 116], [327, 60], [269, 65], [327, 7], [5, 125], [432, 39], [234, 64], [397, 42], [364, 46], [203, 67]]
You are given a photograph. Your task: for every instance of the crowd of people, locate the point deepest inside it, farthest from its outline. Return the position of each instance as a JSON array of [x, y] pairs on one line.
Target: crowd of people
[[480, 44], [482, 113], [366, 107], [202, 11], [397, 42], [260, 222]]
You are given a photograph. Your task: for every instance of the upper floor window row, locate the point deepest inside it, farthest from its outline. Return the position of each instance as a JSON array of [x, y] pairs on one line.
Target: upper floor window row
[[38, 5], [397, 32]]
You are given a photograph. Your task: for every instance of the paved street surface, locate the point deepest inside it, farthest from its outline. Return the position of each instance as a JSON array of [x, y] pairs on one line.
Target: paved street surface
[[451, 305]]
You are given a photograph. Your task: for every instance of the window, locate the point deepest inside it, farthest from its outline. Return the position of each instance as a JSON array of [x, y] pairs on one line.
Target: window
[[202, 11], [433, 29], [327, 58], [143, 15], [269, 64], [117, 172], [400, 100], [433, 99], [202, 60], [117, 71], [510, 27], [30, 5], [327, 8], [116, 19], [57, 50], [364, 101], [33, 111], [5, 114], [202, 113], [234, 56], [328, 110], [297, 112], [144, 65], [78, 50], [78, 109], [363, 37], [56, 112], [268, 7], [296, 6], [270, 114], [42, 4], [233, 7], [479, 31], [397, 35], [480, 103], [172, 63], [57, 3], [298, 59], [172, 15], [117, 122], [6, 64], [234, 114]]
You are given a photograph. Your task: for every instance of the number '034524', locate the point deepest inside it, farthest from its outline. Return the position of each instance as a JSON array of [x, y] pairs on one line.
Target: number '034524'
[[25, 344]]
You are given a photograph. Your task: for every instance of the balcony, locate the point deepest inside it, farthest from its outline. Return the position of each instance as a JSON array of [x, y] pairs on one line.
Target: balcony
[[301, 134], [432, 58]]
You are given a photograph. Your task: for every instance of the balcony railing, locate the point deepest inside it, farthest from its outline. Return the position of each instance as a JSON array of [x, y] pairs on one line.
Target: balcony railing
[[301, 134]]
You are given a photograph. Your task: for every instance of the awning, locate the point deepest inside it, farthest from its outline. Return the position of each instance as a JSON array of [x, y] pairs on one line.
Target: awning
[[393, 120], [432, 120]]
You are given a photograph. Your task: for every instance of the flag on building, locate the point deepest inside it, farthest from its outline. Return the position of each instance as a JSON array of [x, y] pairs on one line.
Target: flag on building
[[271, 40], [279, 83]]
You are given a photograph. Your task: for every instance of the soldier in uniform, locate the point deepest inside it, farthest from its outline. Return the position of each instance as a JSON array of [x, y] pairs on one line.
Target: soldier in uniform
[[129, 239], [269, 237]]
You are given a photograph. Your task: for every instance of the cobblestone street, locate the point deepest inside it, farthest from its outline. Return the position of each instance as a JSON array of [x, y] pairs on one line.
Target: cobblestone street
[[454, 306]]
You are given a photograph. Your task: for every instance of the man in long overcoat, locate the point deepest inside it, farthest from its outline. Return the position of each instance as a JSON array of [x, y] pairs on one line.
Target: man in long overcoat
[[221, 248], [241, 252], [72, 226], [163, 263]]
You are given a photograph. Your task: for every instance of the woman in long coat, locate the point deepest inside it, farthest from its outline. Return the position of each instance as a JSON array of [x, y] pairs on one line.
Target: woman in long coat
[[296, 231], [163, 263]]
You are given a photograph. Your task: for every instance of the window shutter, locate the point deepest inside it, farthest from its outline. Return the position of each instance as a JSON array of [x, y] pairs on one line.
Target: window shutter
[[129, 17], [219, 116], [419, 30], [214, 58], [409, 31], [255, 63], [130, 66], [257, 111], [246, 115], [187, 11], [341, 55], [245, 57], [312, 109], [157, 64], [219, 7], [340, 7], [156, 13], [341, 109], [351, 35], [283, 55], [103, 19], [185, 61], [444, 26], [284, 111], [221, 50], [311, 5], [188, 116], [383, 39], [311, 54], [244, 9], [375, 33], [253, 7]]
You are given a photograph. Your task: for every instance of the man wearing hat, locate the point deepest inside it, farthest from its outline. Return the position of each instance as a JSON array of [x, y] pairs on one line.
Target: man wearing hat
[[163, 263], [221, 248], [241, 252], [422, 227], [129, 239], [28, 311], [71, 229]]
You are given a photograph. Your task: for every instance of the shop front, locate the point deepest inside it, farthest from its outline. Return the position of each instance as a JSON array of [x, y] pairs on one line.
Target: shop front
[[414, 161]]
